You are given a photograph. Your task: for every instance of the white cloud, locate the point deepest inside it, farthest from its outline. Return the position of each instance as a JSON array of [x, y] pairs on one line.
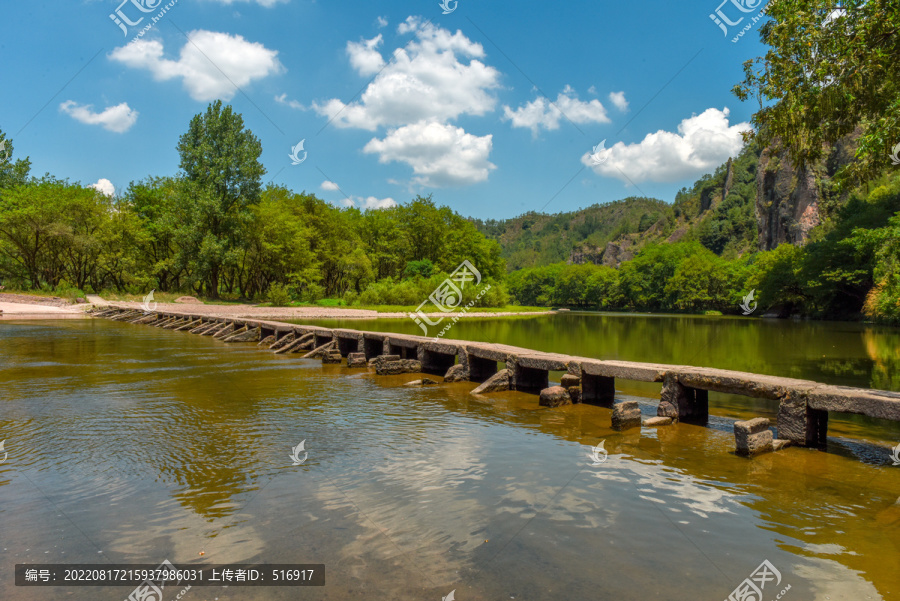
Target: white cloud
[[210, 65], [117, 118], [329, 186], [592, 90], [381, 22], [618, 100], [369, 203], [541, 113], [427, 80], [104, 186], [702, 143], [283, 99], [440, 155], [364, 56]]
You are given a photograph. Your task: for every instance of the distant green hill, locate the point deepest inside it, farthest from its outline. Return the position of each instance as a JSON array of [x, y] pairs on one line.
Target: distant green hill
[[718, 211]]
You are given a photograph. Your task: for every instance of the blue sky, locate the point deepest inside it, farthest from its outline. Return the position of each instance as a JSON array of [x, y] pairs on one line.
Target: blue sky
[[494, 108]]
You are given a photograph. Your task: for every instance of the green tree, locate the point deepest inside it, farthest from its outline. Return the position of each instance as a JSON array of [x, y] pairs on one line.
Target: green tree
[[220, 160]]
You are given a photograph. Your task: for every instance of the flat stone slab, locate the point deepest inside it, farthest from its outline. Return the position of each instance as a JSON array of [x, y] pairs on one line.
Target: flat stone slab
[[496, 383], [319, 352], [641, 372], [422, 382], [403, 366], [652, 422], [753, 437], [742, 383], [881, 404]]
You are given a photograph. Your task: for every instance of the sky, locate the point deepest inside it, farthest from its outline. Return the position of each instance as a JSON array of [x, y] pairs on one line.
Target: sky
[[495, 108]]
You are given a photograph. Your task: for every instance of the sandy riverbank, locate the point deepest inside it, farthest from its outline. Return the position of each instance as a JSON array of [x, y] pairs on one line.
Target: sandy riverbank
[[276, 313], [20, 306]]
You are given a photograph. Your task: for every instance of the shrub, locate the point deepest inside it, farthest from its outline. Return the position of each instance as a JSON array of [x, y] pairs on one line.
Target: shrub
[[278, 296]]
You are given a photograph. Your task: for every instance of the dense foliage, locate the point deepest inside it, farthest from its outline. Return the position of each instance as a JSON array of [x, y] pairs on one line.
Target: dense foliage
[[214, 230]]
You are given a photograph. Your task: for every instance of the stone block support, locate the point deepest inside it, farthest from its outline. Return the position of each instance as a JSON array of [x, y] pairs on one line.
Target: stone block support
[[753, 437], [802, 425], [682, 403], [434, 362], [529, 379], [480, 369]]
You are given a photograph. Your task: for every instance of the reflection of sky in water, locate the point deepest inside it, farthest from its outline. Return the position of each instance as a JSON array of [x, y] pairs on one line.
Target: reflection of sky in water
[[158, 445]]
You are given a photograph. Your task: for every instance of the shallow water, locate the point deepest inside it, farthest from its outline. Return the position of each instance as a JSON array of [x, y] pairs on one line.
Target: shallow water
[[130, 444]]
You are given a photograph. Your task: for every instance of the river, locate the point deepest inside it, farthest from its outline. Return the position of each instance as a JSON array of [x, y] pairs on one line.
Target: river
[[130, 444]]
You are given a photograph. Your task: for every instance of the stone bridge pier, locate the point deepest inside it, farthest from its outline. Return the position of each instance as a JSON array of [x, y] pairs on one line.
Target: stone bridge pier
[[437, 357], [349, 341]]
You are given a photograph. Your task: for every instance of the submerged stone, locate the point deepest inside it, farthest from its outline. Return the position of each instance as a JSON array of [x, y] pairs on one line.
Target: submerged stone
[[496, 383], [555, 396]]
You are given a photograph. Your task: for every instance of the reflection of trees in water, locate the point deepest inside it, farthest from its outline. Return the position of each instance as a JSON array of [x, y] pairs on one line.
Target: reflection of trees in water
[[883, 348]]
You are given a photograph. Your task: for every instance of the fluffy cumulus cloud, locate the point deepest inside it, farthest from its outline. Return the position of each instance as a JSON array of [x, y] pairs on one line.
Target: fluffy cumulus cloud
[[541, 113], [437, 77], [618, 100], [117, 118], [329, 186], [369, 203], [210, 65], [104, 186], [365, 57], [440, 155], [702, 143]]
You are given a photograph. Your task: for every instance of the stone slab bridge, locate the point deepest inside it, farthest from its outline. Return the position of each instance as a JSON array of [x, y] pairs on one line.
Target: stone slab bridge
[[803, 405]]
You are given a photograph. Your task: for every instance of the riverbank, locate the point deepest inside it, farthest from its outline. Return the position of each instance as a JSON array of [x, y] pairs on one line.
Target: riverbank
[[255, 312], [26, 307]]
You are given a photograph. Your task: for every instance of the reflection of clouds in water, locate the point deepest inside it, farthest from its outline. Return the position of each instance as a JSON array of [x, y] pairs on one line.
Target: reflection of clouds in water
[[832, 580]]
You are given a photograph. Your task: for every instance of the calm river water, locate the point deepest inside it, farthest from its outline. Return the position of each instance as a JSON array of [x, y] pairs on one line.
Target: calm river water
[[129, 444]]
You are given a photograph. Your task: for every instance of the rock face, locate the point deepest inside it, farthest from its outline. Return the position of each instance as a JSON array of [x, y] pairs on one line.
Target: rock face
[[457, 373], [586, 254], [496, 383], [403, 366], [555, 396], [357, 360], [614, 253], [626, 415], [753, 437], [787, 200]]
